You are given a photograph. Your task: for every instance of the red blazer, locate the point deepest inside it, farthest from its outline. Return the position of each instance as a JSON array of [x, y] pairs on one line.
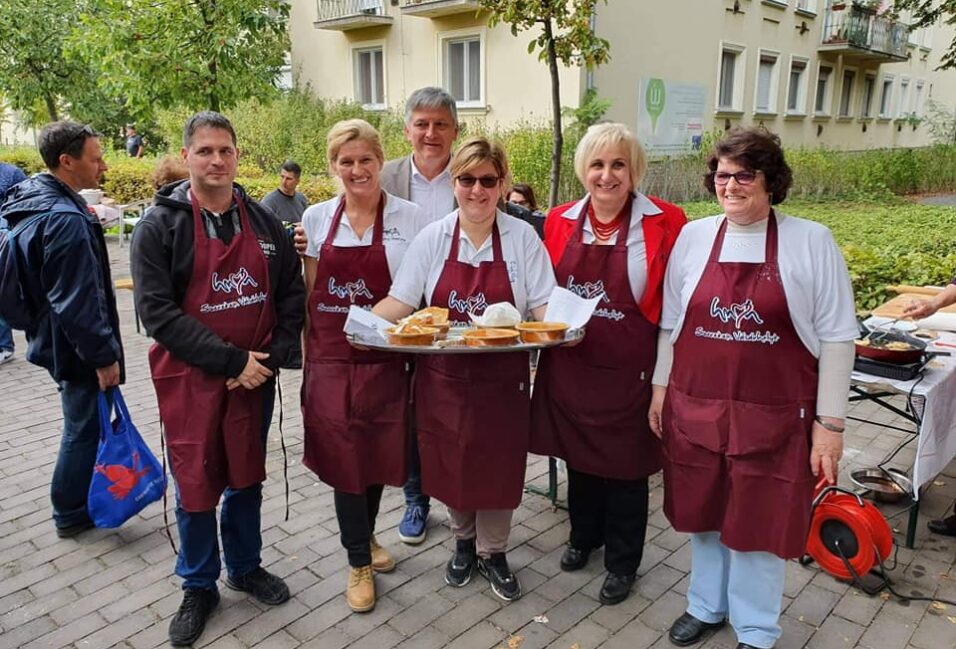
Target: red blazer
[[660, 233]]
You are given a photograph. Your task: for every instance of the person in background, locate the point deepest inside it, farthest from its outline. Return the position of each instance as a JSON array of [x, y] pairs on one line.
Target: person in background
[[355, 403], [473, 412], [134, 142], [76, 336], [10, 175], [924, 309], [219, 288], [522, 204], [169, 170], [287, 203], [590, 401], [753, 368]]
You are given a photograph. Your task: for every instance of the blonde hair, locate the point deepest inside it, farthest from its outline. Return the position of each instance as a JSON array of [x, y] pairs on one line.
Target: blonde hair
[[605, 136], [476, 150], [349, 130]]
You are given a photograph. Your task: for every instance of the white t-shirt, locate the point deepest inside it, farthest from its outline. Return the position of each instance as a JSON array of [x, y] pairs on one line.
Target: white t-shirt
[[815, 279], [529, 267], [636, 250], [401, 221], [435, 197]]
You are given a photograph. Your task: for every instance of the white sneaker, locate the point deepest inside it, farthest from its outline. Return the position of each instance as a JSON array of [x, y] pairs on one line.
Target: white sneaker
[[6, 356]]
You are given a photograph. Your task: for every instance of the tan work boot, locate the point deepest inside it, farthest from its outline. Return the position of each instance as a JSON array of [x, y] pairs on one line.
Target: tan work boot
[[382, 561], [360, 593]]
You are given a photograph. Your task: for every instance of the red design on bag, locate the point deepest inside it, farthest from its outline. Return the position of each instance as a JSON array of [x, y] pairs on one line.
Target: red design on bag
[[124, 478]]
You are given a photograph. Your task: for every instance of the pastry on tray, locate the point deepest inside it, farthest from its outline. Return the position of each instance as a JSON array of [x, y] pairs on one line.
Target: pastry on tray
[[490, 337], [410, 333], [433, 316], [541, 332]]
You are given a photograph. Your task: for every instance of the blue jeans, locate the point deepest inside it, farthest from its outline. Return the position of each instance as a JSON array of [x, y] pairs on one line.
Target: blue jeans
[[239, 524], [6, 336], [747, 587], [413, 483], [74, 463]]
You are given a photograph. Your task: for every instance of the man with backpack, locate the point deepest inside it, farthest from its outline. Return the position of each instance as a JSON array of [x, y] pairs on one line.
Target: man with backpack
[[63, 298], [10, 175]]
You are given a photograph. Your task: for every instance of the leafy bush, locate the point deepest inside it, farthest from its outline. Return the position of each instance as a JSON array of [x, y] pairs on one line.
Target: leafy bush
[[27, 158]]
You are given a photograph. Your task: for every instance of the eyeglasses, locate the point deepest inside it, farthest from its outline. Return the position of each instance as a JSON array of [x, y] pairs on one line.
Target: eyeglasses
[[742, 177], [488, 182]]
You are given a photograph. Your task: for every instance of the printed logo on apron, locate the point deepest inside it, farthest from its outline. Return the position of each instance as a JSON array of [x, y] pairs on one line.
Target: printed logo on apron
[[591, 290], [234, 283], [349, 291], [472, 304], [736, 313]]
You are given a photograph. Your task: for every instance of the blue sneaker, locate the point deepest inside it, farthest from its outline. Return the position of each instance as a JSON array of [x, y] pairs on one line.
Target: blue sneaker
[[412, 528]]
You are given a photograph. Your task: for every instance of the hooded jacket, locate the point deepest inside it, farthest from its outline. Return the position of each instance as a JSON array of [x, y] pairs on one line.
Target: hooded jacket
[[161, 261], [67, 275]]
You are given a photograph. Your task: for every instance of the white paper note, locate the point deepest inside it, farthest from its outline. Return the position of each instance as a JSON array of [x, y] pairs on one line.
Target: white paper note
[[565, 306], [365, 325]]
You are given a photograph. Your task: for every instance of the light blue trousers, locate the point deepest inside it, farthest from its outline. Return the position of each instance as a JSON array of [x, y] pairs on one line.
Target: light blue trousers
[[747, 587]]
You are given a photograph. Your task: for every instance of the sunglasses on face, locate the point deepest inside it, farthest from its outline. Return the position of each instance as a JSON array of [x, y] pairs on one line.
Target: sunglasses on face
[[488, 182], [742, 177]]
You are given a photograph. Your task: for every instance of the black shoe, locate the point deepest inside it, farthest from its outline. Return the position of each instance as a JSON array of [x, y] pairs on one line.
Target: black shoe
[[70, 531], [264, 586], [460, 567], [687, 629], [189, 621], [574, 558], [616, 588], [744, 645], [503, 582], [945, 526]]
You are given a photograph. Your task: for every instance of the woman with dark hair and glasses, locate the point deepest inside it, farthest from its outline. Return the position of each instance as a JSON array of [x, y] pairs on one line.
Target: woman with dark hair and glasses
[[473, 412], [753, 369]]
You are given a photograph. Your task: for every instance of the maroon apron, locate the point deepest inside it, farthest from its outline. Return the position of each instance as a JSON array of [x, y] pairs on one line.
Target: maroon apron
[[590, 401], [472, 411], [354, 403], [229, 293], [739, 409]]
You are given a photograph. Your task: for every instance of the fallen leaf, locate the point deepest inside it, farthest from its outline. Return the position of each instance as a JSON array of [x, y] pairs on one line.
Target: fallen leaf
[[515, 641], [896, 530], [885, 597], [541, 619], [951, 619], [939, 606], [575, 646], [939, 483], [800, 618]]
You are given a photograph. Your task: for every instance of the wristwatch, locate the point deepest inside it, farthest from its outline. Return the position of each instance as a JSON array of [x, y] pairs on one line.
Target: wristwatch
[[833, 428]]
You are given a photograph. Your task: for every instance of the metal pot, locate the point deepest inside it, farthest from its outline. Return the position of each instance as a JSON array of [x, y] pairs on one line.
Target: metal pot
[[884, 485]]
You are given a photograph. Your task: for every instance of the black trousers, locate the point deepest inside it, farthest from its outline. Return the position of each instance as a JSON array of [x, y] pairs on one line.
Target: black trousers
[[356, 514], [609, 512]]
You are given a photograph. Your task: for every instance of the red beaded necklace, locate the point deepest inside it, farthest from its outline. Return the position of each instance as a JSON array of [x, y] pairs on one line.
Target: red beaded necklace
[[604, 231]]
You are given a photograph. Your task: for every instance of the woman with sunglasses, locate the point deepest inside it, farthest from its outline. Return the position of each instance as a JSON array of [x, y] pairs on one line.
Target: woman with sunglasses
[[354, 403], [472, 411], [590, 401], [753, 369]]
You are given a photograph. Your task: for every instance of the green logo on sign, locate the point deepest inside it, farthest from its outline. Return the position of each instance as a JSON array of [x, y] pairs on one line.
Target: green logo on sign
[[654, 101]]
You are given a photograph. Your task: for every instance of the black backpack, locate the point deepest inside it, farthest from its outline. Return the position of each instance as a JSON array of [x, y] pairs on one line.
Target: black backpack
[[16, 307]]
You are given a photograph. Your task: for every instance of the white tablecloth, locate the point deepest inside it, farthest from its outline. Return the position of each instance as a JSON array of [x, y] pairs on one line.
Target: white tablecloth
[[935, 396], [107, 214]]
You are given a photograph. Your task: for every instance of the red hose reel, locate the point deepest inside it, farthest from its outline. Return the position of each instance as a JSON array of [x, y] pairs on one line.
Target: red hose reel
[[849, 536]]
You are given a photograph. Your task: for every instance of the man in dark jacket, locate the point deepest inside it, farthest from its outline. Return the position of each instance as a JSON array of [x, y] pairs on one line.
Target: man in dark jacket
[[67, 277], [219, 287]]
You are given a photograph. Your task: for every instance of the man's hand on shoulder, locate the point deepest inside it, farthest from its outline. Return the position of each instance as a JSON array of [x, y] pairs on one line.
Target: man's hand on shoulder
[[108, 376]]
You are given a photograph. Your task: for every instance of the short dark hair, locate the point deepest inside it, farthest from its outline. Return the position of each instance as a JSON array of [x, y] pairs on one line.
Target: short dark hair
[[206, 119], [757, 149], [62, 137], [525, 190], [292, 167]]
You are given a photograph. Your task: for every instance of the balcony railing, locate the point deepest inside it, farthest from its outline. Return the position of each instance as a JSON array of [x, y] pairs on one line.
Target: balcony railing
[[852, 27], [437, 8], [351, 14]]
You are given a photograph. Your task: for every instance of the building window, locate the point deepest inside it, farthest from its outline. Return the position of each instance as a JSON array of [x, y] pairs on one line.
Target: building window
[[766, 83], [730, 88], [821, 104], [918, 100], [463, 69], [806, 5], [886, 97], [797, 87], [369, 77], [846, 93], [866, 106], [904, 98]]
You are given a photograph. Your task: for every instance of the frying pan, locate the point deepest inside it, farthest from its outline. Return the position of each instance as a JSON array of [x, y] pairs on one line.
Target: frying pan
[[915, 354]]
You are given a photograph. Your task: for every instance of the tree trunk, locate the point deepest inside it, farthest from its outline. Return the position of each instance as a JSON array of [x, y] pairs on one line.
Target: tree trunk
[[51, 107], [214, 103], [555, 116]]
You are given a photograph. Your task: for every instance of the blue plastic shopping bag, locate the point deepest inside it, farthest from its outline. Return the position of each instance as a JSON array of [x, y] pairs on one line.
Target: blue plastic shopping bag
[[126, 476]]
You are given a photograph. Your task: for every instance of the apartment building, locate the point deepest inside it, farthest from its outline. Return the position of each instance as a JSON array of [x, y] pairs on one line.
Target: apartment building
[[846, 74]]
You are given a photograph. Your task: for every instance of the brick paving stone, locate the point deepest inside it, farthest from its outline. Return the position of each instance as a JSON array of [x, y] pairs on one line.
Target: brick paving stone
[[467, 613], [420, 614], [658, 581], [570, 611], [115, 632], [935, 632], [887, 632], [834, 633], [585, 634], [812, 605], [66, 635], [662, 613], [428, 638], [320, 619], [795, 633], [514, 615], [383, 637], [272, 620], [613, 618], [634, 635], [532, 636], [563, 584], [358, 625], [20, 636], [484, 635]]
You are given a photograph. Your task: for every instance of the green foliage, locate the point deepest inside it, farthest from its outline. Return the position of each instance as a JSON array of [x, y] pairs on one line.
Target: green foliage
[[26, 158], [927, 12], [941, 121], [202, 55]]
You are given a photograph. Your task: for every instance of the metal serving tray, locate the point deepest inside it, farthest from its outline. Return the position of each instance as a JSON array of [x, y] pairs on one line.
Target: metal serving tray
[[454, 344]]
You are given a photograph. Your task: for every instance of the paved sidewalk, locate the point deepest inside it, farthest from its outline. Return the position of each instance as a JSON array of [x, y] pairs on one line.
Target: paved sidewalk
[[116, 588]]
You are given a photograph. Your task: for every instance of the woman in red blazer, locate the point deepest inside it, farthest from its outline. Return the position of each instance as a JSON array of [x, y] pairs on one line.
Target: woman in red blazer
[[590, 402]]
